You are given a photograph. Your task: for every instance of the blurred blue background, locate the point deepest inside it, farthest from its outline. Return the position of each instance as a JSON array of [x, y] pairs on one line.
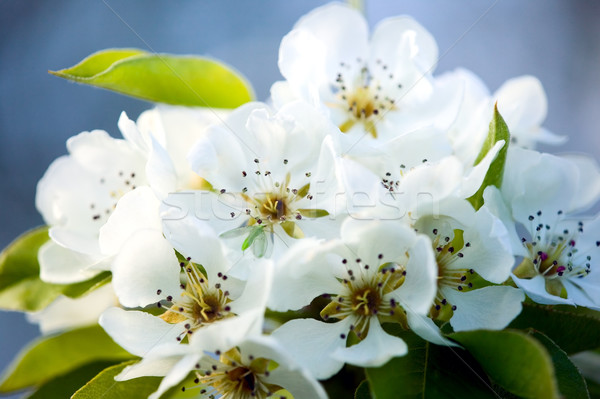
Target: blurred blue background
[[559, 42]]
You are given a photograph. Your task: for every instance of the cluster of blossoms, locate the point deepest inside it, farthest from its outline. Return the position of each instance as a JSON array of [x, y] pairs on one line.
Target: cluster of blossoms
[[345, 198]]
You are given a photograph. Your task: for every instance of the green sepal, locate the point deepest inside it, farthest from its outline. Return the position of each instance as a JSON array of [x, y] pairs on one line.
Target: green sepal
[[514, 360], [313, 213], [49, 357], [165, 78], [498, 130]]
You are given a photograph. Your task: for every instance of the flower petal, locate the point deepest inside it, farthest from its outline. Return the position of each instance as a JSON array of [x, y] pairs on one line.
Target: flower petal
[[400, 39], [490, 308], [535, 288], [425, 328], [60, 265], [417, 292], [135, 211], [179, 371], [138, 332], [311, 343], [489, 253], [303, 273], [146, 265], [344, 41], [375, 350]]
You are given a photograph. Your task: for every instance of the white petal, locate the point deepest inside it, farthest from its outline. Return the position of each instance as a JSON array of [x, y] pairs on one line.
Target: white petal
[[417, 292], [494, 202], [527, 192], [344, 41], [474, 178], [423, 184], [588, 190], [298, 381], [311, 343], [387, 44], [302, 61], [145, 265], [177, 128], [138, 332], [160, 170], [132, 134], [489, 253], [425, 328], [135, 211], [176, 375], [68, 313], [303, 273], [371, 238], [229, 332], [148, 367], [535, 289], [375, 350], [490, 308], [225, 150], [60, 265], [522, 102], [196, 239], [257, 288], [583, 295]]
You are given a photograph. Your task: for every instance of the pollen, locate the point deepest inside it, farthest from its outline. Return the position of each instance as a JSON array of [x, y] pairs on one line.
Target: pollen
[[200, 304]]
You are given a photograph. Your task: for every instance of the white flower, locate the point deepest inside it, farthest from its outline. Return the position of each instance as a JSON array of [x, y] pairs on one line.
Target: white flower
[[429, 188], [79, 192], [538, 194], [381, 87], [470, 249], [377, 272], [212, 310], [521, 102], [256, 367], [166, 133], [77, 195], [272, 175]]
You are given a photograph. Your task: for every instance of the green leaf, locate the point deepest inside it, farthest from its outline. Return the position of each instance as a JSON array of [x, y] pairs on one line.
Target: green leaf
[[79, 289], [66, 385], [498, 131], [104, 385], [570, 381], [429, 371], [593, 388], [20, 285], [19, 259], [572, 329], [514, 360], [49, 357], [165, 78], [363, 391]]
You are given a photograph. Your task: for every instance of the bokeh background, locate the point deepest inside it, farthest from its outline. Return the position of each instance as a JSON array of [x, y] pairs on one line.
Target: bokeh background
[[558, 41]]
